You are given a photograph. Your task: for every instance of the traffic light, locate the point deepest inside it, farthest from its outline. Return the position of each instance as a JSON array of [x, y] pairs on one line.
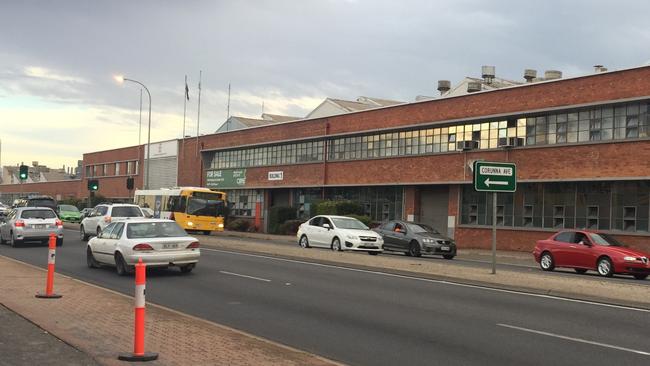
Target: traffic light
[[93, 185], [129, 183], [24, 172]]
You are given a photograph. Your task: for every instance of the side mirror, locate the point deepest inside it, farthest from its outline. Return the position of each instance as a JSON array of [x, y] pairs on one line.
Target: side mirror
[[327, 226]]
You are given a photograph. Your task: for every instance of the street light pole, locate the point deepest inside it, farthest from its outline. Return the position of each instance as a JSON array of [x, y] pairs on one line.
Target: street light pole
[[146, 181]]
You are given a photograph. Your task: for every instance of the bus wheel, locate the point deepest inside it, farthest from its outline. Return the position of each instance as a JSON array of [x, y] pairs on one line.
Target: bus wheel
[[206, 232]]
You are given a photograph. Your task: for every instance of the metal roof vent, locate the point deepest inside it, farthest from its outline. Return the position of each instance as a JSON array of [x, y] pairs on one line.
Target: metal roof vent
[[473, 86], [599, 68], [487, 73], [552, 74], [444, 86], [529, 75]]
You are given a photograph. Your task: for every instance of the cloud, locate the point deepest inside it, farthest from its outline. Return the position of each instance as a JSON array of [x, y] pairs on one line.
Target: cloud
[[44, 73]]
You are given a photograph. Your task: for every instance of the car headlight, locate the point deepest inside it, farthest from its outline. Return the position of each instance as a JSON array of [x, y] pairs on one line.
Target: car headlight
[[220, 226], [190, 223], [428, 240], [629, 259], [352, 237]]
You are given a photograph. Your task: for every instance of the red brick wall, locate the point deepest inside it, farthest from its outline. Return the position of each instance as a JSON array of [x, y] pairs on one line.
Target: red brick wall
[[524, 240], [114, 186], [65, 189]]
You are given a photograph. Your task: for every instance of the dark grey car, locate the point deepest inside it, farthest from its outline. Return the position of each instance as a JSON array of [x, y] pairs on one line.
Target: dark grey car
[[415, 239]]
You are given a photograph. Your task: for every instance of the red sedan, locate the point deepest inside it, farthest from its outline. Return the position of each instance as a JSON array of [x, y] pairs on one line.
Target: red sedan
[[587, 250]]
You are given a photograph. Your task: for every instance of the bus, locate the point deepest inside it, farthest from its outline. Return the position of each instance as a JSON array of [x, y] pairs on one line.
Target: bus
[[193, 208]]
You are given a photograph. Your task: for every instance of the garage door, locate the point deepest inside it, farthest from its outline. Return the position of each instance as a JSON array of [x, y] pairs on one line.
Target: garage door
[[434, 206], [162, 173]]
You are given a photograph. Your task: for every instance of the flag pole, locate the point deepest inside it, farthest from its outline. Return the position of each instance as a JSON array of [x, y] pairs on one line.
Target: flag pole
[[198, 115], [185, 98]]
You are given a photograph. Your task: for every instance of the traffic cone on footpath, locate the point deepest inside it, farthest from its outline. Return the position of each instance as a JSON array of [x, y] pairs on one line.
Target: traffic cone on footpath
[[49, 285], [138, 344]]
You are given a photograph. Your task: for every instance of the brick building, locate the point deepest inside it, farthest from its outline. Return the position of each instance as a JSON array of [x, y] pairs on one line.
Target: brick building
[[581, 146]]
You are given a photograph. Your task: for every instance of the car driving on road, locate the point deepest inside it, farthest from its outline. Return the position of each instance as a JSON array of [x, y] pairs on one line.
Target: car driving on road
[[24, 224], [339, 233], [158, 242], [588, 250], [414, 239], [68, 213], [102, 215]]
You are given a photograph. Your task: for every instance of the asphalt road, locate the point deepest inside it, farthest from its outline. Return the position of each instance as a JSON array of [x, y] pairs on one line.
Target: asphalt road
[[368, 318]]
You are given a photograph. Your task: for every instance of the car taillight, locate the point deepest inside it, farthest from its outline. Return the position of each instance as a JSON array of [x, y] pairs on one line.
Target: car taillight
[[20, 223], [171, 217], [107, 219], [142, 247], [193, 245], [58, 223]]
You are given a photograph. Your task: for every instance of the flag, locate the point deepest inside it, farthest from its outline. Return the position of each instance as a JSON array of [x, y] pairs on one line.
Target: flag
[[187, 91]]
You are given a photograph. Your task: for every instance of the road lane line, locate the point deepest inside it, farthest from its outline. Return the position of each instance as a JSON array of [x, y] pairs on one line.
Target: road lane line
[[444, 282], [580, 340], [245, 276]]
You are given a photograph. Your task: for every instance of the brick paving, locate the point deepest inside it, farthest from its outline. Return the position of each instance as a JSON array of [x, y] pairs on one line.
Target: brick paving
[[99, 322]]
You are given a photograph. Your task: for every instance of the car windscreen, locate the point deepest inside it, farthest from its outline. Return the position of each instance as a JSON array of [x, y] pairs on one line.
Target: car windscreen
[[69, 208], [126, 211], [142, 230], [421, 228], [604, 239], [37, 214], [349, 224], [202, 204]]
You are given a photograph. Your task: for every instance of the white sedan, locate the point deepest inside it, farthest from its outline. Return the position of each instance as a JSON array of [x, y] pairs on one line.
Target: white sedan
[[339, 233], [158, 242]]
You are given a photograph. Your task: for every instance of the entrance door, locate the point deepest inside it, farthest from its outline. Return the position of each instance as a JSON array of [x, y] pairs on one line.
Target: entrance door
[[434, 207]]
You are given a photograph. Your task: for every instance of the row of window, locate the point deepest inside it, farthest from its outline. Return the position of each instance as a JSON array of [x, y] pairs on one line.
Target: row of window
[[621, 206], [602, 123], [113, 169]]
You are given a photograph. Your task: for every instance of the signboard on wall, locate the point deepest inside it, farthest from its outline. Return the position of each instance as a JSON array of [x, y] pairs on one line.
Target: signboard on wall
[[278, 175], [162, 149], [225, 178]]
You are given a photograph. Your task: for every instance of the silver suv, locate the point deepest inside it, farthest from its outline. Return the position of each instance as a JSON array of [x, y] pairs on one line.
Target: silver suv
[[103, 214], [30, 224]]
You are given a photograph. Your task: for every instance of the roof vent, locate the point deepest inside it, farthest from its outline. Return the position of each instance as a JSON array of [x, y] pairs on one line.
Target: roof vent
[[552, 74], [473, 86], [599, 68], [487, 73], [444, 86], [529, 75]]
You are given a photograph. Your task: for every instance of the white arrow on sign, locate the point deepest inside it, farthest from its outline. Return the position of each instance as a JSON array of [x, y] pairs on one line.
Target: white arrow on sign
[[495, 183]]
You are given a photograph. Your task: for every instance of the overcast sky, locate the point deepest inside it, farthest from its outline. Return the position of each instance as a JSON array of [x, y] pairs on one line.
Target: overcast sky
[[57, 58]]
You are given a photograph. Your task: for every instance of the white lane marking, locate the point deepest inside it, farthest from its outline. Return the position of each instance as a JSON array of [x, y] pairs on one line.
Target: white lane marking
[[444, 282], [580, 340], [241, 275]]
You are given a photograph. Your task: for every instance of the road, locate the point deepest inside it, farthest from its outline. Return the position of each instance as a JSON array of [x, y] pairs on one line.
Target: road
[[369, 318]]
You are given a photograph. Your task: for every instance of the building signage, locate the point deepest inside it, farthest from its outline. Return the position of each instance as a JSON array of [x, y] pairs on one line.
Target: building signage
[[279, 175], [495, 177], [225, 178], [162, 149]]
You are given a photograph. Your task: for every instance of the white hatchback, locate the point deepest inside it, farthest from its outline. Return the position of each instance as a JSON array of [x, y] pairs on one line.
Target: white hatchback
[[158, 242], [339, 233]]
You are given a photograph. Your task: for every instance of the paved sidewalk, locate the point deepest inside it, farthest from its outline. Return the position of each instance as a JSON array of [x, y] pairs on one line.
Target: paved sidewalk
[[99, 322]]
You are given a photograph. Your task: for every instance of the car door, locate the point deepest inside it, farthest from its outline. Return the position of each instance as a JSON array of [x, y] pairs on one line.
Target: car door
[[327, 235], [111, 241], [313, 230], [401, 237], [561, 249], [582, 251], [100, 246]]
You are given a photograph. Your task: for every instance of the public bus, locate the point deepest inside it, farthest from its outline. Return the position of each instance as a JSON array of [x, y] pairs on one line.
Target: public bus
[[194, 209]]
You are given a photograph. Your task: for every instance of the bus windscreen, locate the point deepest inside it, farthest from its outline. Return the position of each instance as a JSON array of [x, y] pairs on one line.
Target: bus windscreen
[[205, 204]]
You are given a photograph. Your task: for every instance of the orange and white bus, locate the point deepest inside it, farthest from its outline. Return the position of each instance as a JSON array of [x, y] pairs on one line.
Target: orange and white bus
[[193, 208]]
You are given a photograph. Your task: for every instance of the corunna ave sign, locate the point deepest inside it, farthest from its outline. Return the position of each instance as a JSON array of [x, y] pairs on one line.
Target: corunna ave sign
[[495, 177]]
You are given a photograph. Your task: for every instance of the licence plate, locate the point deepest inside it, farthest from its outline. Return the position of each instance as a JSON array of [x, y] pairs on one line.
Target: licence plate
[[39, 226], [170, 246], [445, 248]]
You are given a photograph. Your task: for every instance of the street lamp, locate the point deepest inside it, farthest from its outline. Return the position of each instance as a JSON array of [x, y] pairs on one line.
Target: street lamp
[[121, 79]]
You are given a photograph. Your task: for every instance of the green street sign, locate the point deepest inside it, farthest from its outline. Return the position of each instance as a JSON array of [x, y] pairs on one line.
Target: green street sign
[[495, 177], [225, 178]]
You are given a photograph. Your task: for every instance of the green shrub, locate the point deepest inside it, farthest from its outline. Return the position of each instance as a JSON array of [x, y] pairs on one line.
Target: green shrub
[[365, 219], [289, 227], [238, 225], [341, 207], [278, 216]]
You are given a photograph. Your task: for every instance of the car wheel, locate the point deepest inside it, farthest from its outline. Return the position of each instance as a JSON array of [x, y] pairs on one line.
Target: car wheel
[[82, 234], [373, 253], [187, 268], [605, 267], [90, 259], [336, 245], [59, 242], [15, 242], [547, 262], [99, 230], [640, 276], [2, 240], [120, 265], [414, 249], [448, 256], [580, 270], [304, 242]]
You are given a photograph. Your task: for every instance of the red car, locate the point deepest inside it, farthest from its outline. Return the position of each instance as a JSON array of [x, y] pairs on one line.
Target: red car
[[587, 250]]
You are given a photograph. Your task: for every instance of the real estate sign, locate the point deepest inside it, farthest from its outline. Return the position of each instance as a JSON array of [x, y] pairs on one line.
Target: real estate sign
[[225, 178]]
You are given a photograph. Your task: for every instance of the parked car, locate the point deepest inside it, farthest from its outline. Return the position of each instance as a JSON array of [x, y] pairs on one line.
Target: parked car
[[414, 239], [84, 212], [36, 201], [68, 213], [158, 242], [103, 214], [25, 224], [588, 250], [4, 209], [339, 233]]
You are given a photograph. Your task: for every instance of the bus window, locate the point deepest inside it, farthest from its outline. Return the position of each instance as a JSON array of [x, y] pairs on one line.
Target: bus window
[[176, 203]]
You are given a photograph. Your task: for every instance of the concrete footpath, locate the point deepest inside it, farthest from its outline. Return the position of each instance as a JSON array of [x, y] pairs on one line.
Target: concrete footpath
[[99, 323]]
